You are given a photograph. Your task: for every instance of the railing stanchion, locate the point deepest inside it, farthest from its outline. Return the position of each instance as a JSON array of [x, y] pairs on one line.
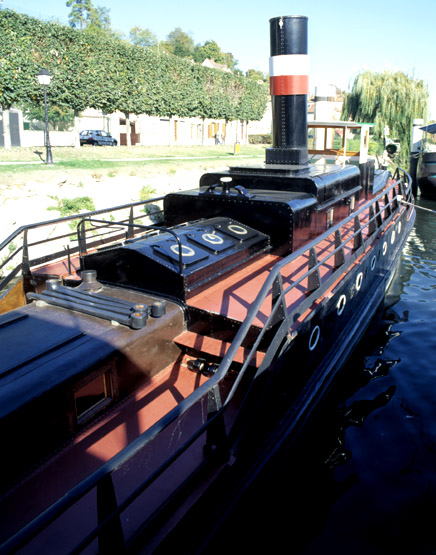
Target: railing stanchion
[[378, 214], [130, 229], [358, 239], [339, 254], [372, 224], [25, 265], [110, 536], [313, 279]]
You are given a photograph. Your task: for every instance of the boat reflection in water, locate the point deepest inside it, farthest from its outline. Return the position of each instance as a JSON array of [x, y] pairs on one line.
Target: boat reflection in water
[[154, 374]]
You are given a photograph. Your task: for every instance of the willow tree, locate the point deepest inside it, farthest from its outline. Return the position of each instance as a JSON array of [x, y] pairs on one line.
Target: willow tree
[[387, 99]]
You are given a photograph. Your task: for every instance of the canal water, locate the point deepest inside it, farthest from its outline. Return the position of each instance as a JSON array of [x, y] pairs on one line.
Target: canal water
[[363, 479]]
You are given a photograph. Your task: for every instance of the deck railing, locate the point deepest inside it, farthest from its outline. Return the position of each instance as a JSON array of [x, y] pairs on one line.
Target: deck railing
[[368, 223], [60, 242]]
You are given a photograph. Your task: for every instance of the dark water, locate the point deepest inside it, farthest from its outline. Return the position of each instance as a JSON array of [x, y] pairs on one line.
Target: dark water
[[363, 480]]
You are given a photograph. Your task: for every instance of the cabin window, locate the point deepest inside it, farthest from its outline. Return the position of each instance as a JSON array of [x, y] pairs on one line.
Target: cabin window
[[93, 397], [330, 217], [352, 203]]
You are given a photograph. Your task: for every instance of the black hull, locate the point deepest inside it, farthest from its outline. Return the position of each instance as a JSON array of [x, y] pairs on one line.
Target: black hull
[[225, 445], [237, 499]]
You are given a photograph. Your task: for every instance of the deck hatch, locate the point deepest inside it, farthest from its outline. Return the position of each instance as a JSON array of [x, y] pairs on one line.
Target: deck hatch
[[209, 248]]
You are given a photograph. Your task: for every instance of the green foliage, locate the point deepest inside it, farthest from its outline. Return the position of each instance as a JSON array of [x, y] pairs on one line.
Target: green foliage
[[210, 50], [80, 12], [179, 43], [60, 118], [387, 99], [256, 75], [99, 71], [142, 37], [146, 192], [70, 206]]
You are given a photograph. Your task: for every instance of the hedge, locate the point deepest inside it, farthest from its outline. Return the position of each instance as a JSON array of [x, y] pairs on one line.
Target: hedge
[[111, 74]]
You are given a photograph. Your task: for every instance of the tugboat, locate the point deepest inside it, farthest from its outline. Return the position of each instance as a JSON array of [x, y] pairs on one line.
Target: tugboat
[[152, 370]]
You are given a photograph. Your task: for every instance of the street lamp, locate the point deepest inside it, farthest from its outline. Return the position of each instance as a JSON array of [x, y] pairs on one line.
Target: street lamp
[[44, 80]]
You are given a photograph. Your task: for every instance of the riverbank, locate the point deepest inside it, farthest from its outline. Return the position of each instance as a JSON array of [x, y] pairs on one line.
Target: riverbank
[[31, 192], [37, 200]]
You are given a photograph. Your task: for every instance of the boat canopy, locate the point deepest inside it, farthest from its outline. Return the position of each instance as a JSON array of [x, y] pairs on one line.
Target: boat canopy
[[429, 128], [322, 140]]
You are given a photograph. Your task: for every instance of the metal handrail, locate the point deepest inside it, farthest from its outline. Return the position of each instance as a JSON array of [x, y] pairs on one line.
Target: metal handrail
[[22, 230], [78, 491]]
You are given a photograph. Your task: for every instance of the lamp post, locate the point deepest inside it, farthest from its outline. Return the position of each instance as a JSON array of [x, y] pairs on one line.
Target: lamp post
[[44, 80]]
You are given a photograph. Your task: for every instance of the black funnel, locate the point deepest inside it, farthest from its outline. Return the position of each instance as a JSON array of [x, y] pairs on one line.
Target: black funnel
[[289, 86]]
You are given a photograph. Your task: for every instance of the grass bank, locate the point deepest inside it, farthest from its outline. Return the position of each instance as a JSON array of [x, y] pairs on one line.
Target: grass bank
[[19, 165]]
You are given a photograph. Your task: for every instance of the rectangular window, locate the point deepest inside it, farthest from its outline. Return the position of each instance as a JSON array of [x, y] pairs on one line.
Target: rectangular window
[[93, 397]]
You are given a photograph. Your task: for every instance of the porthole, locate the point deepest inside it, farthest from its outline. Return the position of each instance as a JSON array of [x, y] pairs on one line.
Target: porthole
[[385, 248], [341, 304], [238, 229], [186, 251], [393, 237], [373, 262], [212, 238], [399, 228], [359, 281], [314, 338]]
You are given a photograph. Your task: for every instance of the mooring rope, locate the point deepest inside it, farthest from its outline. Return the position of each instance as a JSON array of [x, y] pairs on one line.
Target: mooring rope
[[400, 199]]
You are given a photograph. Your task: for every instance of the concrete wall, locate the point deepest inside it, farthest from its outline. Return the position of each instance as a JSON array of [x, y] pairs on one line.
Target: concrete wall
[[57, 138], [149, 131]]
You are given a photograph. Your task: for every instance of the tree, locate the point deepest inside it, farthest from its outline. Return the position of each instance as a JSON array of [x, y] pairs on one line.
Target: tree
[[256, 75], [387, 99], [179, 43], [210, 50], [79, 14], [99, 19], [85, 16], [142, 37]]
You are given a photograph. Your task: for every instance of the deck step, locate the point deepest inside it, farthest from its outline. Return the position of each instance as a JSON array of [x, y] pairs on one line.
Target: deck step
[[215, 347]]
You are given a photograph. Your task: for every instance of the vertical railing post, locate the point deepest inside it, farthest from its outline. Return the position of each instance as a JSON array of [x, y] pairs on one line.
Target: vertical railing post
[[372, 225], [387, 208], [81, 238], [313, 280], [278, 297], [358, 239], [378, 214], [110, 536], [130, 230], [25, 265], [339, 254], [216, 435]]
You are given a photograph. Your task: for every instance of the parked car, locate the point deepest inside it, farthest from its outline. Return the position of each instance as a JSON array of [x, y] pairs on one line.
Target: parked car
[[97, 138]]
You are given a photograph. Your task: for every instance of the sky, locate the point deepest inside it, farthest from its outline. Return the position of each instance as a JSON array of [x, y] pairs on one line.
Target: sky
[[344, 37]]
